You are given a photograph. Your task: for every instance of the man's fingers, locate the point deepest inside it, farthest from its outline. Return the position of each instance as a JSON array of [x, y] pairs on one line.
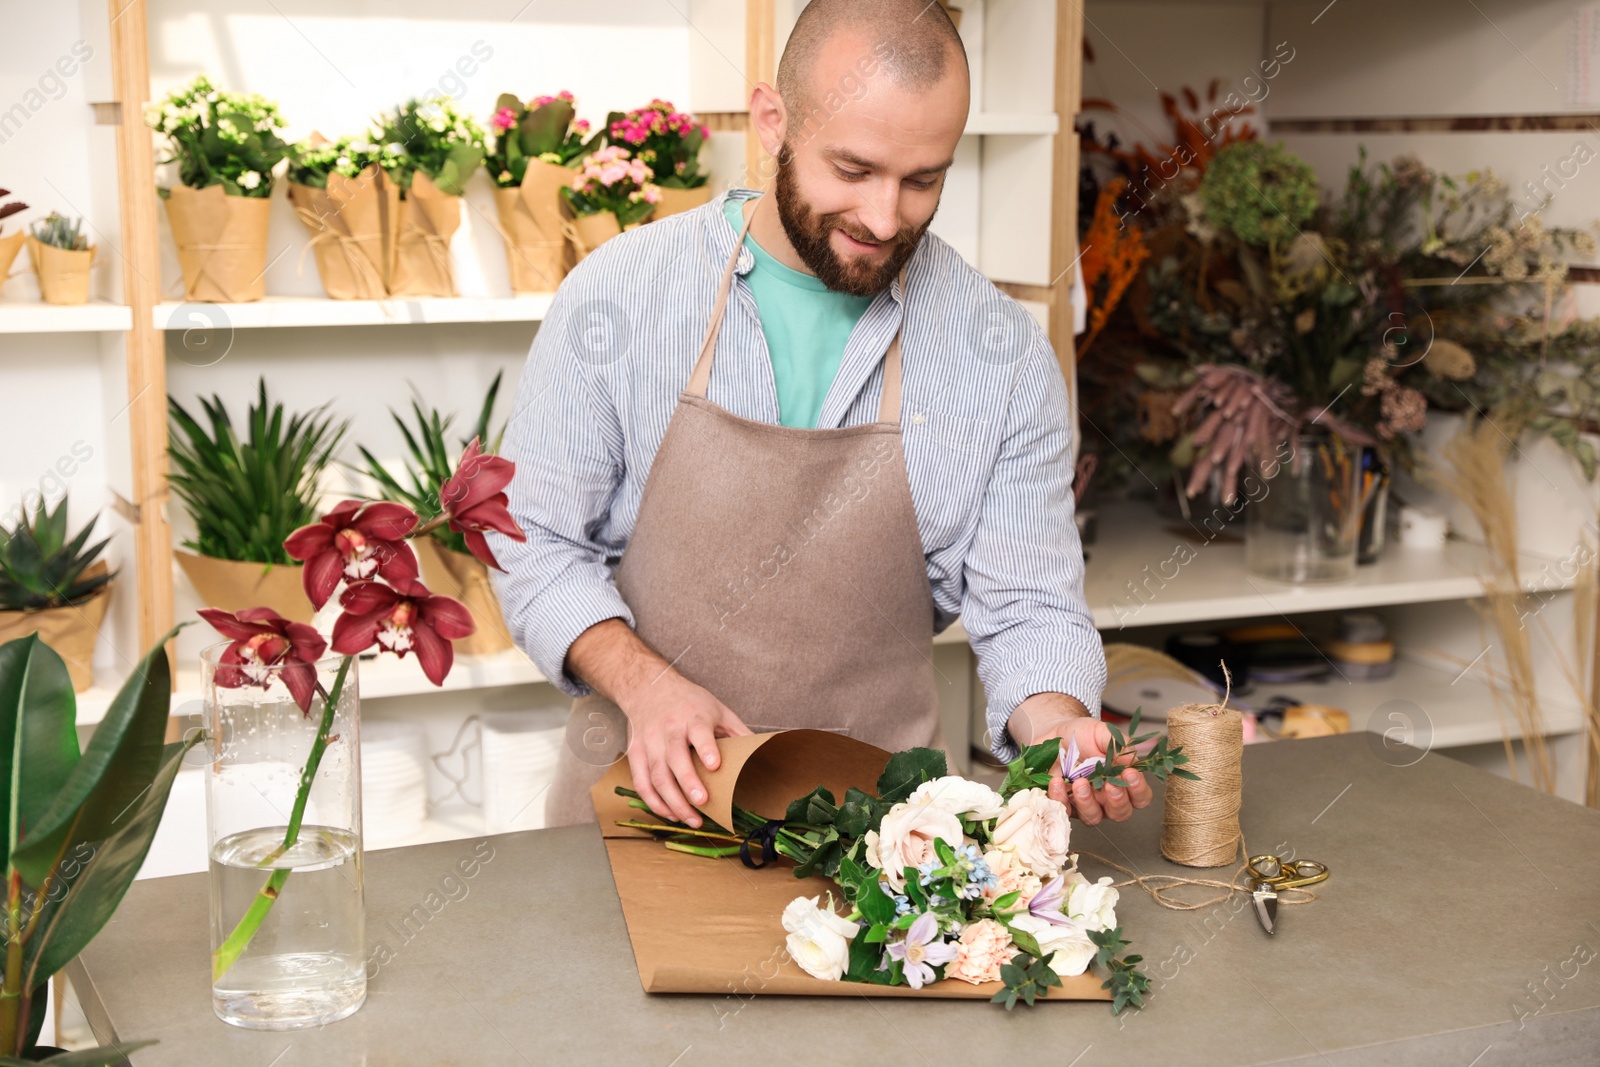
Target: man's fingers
[[1114, 799], [731, 726], [1058, 788], [1139, 793], [639, 767], [704, 742], [1083, 800], [682, 768], [667, 787]]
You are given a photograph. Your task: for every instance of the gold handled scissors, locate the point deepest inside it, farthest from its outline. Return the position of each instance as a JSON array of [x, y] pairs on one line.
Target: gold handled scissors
[[1269, 874]]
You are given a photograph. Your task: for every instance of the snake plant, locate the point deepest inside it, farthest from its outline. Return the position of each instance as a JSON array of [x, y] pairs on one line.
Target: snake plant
[[40, 568]]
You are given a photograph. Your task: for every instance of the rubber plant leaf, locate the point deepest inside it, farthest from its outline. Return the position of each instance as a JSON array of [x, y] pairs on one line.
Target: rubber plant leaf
[[38, 727]]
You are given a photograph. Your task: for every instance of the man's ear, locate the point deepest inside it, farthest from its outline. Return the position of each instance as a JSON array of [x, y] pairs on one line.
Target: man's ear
[[768, 118]]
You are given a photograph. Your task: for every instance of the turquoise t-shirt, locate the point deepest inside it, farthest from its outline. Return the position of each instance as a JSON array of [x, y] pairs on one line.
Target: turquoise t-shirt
[[806, 325]]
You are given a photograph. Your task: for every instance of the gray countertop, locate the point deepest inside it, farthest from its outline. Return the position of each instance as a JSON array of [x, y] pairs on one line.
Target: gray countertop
[[1461, 926]]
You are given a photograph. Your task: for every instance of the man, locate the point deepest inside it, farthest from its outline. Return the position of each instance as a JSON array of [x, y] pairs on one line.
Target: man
[[776, 546]]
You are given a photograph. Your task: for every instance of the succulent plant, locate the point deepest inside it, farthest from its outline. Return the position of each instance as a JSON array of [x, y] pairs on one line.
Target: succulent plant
[[58, 231], [40, 568]]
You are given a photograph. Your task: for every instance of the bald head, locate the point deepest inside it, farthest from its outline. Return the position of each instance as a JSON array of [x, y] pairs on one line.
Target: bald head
[[914, 40]]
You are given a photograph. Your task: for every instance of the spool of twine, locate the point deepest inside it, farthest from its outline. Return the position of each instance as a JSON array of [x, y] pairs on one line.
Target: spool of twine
[[1201, 822]]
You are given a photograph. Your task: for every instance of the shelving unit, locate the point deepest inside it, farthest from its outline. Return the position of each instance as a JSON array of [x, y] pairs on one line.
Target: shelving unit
[[97, 316], [286, 311]]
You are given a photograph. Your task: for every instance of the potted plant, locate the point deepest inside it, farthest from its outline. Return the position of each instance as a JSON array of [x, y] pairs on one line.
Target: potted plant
[[10, 243], [80, 823], [436, 148], [536, 147], [226, 146], [336, 191], [245, 496], [447, 561], [61, 257], [669, 142], [611, 193], [55, 586]]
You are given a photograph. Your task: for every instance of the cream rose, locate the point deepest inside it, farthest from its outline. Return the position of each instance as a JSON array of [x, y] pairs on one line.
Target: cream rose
[[1094, 904], [961, 797], [905, 839], [1010, 877], [819, 940], [1035, 829], [1069, 941], [984, 945]]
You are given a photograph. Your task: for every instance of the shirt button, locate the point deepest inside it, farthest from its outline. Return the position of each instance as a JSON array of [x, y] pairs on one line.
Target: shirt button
[[919, 418]]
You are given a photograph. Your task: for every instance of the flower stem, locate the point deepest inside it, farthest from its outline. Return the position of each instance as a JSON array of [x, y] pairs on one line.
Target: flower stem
[[11, 993], [230, 950]]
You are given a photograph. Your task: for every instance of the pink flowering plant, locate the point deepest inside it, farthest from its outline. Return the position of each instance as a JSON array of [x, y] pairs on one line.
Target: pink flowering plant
[[613, 180], [940, 877], [357, 550], [546, 128], [667, 139]]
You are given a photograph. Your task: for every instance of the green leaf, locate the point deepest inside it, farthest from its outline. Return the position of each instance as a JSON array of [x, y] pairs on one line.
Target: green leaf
[[855, 816], [876, 934], [38, 727], [103, 1056], [909, 769], [799, 808], [876, 905], [1025, 941]]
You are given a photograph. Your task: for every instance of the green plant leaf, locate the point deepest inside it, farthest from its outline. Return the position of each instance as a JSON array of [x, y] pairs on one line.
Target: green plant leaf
[[909, 769], [38, 727], [103, 1056]]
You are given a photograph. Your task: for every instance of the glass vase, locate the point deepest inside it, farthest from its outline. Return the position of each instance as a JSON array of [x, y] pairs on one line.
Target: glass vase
[[1304, 524], [287, 911]]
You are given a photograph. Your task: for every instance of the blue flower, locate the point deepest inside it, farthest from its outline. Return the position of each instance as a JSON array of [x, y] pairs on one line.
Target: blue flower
[[926, 870]]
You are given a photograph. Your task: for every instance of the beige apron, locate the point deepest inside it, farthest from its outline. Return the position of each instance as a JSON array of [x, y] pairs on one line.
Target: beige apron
[[781, 569]]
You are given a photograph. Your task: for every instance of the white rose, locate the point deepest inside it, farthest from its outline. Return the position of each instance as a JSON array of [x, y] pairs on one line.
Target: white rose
[[819, 940], [1035, 828], [1070, 943], [905, 839], [960, 796], [1094, 904]]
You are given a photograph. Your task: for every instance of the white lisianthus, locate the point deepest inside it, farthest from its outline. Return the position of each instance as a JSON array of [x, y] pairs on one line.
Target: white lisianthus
[[1035, 828], [961, 797], [905, 839], [1069, 941], [249, 179], [1094, 904], [819, 940]]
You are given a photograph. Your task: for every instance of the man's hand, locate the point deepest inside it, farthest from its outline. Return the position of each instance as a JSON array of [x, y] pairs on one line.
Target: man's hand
[[667, 715], [1046, 715]]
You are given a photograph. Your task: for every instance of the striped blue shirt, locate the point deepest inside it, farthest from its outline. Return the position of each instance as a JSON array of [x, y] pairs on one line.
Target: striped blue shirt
[[986, 433]]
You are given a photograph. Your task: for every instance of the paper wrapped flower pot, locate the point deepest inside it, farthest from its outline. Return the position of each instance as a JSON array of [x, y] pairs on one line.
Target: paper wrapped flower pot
[[10, 245], [530, 222], [674, 201], [233, 586], [222, 243], [589, 232], [70, 631], [706, 926], [346, 222], [419, 264], [466, 579], [63, 272]]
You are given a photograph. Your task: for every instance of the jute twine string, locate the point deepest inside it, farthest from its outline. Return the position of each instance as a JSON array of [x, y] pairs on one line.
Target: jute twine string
[[1201, 818]]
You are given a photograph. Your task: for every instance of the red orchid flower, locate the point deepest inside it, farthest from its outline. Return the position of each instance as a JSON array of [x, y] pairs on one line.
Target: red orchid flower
[[400, 619], [263, 639], [475, 500], [354, 541]]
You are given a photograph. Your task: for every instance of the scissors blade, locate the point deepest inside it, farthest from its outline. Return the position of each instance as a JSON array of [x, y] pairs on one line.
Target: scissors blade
[[1266, 902]]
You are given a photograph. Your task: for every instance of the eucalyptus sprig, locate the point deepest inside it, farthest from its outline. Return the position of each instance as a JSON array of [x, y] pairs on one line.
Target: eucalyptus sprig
[[1163, 762], [1026, 977], [1127, 983]]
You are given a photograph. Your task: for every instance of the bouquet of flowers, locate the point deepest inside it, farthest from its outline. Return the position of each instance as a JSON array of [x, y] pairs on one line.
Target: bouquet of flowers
[[669, 141], [942, 877], [437, 148], [535, 148], [612, 192], [226, 146], [337, 192]]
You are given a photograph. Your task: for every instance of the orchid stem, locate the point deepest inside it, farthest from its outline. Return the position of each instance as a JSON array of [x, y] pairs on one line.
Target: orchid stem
[[229, 952]]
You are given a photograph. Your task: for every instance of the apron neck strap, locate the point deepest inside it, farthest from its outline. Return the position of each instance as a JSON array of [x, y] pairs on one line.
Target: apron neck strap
[[888, 405]]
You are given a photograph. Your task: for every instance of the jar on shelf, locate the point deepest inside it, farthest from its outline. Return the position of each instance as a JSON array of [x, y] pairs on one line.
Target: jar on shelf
[[1305, 525]]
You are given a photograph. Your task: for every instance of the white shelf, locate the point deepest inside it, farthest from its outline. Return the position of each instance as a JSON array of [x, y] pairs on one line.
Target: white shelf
[[1003, 122], [1136, 545], [97, 316], [279, 311], [1438, 707]]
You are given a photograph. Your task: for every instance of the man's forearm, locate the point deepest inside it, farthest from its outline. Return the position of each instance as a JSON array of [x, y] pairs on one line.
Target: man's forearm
[[613, 661], [1037, 716]]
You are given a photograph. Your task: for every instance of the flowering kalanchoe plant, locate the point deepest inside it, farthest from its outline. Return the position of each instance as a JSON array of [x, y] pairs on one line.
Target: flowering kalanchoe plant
[[545, 128], [435, 138], [360, 545], [668, 140], [612, 180], [942, 878], [220, 138], [313, 161]]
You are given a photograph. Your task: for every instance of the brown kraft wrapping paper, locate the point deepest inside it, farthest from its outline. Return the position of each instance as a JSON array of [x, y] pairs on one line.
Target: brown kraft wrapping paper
[[346, 222], [71, 631], [428, 218], [676, 201], [715, 926], [222, 243], [530, 222], [10, 245], [233, 586], [63, 272], [466, 579]]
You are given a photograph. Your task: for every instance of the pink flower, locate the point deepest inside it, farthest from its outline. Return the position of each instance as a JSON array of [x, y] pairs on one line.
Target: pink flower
[[475, 500], [1072, 767], [261, 640], [354, 541], [652, 194], [1034, 828], [504, 119], [612, 175], [1010, 877], [581, 126], [983, 948], [401, 619]]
